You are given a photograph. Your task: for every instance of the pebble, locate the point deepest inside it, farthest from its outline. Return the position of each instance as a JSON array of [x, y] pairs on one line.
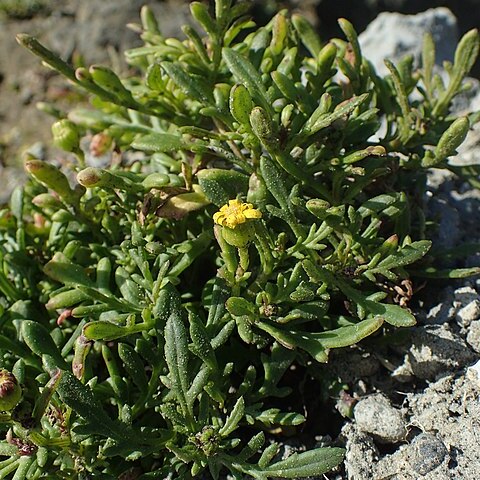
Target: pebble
[[473, 375], [470, 312], [427, 453], [376, 415], [473, 336]]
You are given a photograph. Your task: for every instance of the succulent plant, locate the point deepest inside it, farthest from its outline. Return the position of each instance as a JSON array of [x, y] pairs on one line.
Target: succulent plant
[[264, 204]]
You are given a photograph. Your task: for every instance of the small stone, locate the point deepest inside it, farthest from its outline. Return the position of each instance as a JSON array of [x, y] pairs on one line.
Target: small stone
[[377, 416], [473, 336], [427, 453], [473, 375], [469, 313], [465, 295]]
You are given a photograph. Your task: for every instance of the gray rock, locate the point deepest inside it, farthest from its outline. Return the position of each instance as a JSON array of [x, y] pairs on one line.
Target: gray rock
[[470, 312], [427, 452], [435, 350], [462, 305], [473, 335], [376, 415], [466, 305], [448, 414], [393, 35]]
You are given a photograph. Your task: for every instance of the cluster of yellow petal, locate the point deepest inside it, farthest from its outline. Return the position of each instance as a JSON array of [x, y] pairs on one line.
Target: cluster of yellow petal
[[235, 213]]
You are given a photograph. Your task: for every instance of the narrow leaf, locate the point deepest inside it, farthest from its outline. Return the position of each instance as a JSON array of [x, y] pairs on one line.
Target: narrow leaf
[[312, 126], [246, 74], [80, 398], [159, 142], [38, 339], [310, 463], [307, 34], [61, 269], [176, 355], [191, 85], [405, 256], [234, 418]]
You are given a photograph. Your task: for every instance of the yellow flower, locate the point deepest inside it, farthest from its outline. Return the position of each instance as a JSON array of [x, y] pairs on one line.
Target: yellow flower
[[235, 213]]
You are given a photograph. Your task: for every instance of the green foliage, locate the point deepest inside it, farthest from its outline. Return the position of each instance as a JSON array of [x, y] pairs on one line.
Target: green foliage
[[150, 342]]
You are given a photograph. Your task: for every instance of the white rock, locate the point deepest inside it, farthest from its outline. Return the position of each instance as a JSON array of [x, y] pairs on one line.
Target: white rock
[[469, 313], [393, 35], [473, 374], [473, 336]]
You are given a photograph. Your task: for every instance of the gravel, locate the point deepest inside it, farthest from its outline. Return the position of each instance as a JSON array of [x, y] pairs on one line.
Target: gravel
[[376, 415], [427, 452]]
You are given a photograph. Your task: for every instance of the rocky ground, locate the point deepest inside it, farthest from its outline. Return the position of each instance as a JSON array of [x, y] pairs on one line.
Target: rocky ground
[[417, 411], [417, 400]]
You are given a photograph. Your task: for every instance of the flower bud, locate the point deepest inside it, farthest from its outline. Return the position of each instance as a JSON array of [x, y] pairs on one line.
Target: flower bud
[[96, 177], [50, 176], [390, 245], [263, 127], [451, 139], [46, 200], [93, 177], [318, 207], [65, 135], [10, 391]]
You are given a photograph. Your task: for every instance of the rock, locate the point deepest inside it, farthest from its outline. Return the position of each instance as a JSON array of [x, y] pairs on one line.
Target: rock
[[467, 305], [469, 313], [462, 304], [427, 453], [393, 35], [447, 413], [473, 335], [465, 295], [435, 350], [423, 458], [473, 375], [376, 415]]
